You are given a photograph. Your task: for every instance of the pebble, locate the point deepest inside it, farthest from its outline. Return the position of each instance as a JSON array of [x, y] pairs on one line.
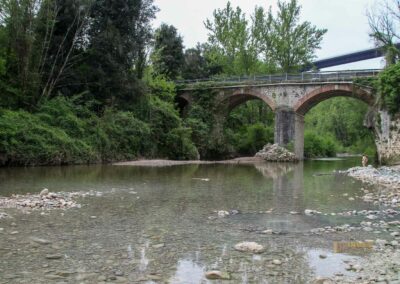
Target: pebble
[[216, 274], [40, 240], [53, 256], [276, 262]]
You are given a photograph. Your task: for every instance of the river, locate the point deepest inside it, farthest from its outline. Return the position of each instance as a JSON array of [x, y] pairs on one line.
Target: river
[[160, 224]]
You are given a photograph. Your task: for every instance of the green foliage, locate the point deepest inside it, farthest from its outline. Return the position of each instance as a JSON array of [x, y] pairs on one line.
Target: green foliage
[[180, 145], [268, 44], [27, 140], [252, 138], [336, 119], [389, 88], [198, 65], [290, 43], [168, 56], [317, 146]]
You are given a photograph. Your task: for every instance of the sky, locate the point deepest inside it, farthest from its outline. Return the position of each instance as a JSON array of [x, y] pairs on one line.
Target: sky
[[345, 20]]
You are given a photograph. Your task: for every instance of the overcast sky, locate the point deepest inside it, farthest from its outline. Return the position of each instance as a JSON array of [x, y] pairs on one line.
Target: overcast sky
[[345, 20]]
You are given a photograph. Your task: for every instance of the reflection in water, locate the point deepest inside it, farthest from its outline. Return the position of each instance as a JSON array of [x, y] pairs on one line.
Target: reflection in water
[[333, 263], [188, 272], [159, 224], [144, 261]]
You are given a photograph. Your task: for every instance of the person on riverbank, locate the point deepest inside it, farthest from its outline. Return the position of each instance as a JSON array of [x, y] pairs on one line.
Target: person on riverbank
[[364, 160]]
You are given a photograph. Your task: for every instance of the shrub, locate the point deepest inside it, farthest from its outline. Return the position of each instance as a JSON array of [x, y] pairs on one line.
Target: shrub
[[27, 140], [316, 146]]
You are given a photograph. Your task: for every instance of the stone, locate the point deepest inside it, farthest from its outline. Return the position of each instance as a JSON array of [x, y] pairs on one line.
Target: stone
[[276, 262], [322, 280], [311, 212], [216, 274], [65, 273], [222, 213], [323, 256], [267, 232], [158, 246], [276, 153], [40, 240], [54, 256], [118, 273], [252, 247], [44, 192]]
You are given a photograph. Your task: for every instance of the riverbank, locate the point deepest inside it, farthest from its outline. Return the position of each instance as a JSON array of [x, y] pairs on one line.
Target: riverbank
[[383, 265], [166, 163]]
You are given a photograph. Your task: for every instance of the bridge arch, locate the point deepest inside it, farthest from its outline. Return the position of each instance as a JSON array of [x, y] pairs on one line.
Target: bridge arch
[[230, 101], [333, 90]]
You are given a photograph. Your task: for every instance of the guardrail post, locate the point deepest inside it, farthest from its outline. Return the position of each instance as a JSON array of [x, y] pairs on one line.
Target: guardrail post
[[270, 79], [286, 76], [302, 76]]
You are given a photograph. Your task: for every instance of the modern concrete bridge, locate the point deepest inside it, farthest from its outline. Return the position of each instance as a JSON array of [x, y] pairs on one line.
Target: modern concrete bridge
[[289, 96]]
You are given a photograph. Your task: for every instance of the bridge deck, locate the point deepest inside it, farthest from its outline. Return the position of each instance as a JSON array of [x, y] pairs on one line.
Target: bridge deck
[[305, 77]]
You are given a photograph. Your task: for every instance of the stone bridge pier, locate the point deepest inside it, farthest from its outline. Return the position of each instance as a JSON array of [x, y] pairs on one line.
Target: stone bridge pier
[[289, 129], [289, 101]]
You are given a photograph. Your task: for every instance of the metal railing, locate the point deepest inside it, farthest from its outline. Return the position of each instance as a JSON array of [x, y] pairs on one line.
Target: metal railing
[[325, 76]]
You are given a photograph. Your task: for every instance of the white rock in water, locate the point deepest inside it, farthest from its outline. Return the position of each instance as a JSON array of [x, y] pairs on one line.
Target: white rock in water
[[222, 213], [310, 212], [276, 262], [44, 192], [249, 247]]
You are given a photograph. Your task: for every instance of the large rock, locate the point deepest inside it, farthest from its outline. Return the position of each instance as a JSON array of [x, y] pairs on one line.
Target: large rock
[[276, 153], [249, 247]]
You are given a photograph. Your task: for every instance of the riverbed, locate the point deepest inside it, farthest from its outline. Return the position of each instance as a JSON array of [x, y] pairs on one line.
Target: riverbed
[[142, 224]]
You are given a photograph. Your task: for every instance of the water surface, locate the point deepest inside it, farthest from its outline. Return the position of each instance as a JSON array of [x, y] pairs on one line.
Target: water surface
[[159, 225]]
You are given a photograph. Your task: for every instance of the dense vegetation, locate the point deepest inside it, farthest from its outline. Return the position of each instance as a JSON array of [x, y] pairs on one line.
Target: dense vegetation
[[87, 81]]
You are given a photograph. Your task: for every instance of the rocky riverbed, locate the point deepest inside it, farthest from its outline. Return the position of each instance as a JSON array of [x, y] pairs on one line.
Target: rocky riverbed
[[269, 223], [383, 265]]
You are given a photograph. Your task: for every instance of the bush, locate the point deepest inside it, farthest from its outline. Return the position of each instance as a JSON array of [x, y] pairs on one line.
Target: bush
[[316, 146], [252, 138], [121, 136], [27, 140], [389, 88], [180, 145]]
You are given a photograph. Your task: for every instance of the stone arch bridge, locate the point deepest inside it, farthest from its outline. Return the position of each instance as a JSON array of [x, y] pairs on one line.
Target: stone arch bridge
[[289, 96]]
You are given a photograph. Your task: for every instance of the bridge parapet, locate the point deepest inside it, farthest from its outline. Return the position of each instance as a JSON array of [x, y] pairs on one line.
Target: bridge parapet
[[304, 77]]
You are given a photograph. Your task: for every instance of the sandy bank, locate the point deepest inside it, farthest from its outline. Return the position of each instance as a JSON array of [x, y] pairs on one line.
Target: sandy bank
[[164, 163]]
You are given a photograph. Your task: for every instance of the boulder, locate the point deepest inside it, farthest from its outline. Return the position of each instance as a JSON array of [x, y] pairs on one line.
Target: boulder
[[249, 247], [276, 153]]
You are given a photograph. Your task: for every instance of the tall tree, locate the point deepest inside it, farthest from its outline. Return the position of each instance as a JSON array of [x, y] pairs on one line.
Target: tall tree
[[384, 22], [198, 65], [293, 43], [118, 35], [230, 40], [167, 57]]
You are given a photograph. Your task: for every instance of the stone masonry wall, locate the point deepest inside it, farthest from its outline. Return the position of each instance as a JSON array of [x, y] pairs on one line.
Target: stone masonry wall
[[388, 138]]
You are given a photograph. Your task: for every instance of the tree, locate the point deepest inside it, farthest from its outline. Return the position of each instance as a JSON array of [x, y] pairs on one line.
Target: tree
[[384, 22], [117, 38], [198, 65], [230, 43], [41, 37], [292, 43], [389, 88], [167, 57], [270, 43]]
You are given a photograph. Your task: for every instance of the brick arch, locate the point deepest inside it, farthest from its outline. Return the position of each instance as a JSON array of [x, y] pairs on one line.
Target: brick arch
[[333, 90], [238, 97]]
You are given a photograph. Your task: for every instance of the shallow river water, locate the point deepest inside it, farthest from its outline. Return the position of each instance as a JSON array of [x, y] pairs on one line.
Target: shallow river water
[[160, 225]]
